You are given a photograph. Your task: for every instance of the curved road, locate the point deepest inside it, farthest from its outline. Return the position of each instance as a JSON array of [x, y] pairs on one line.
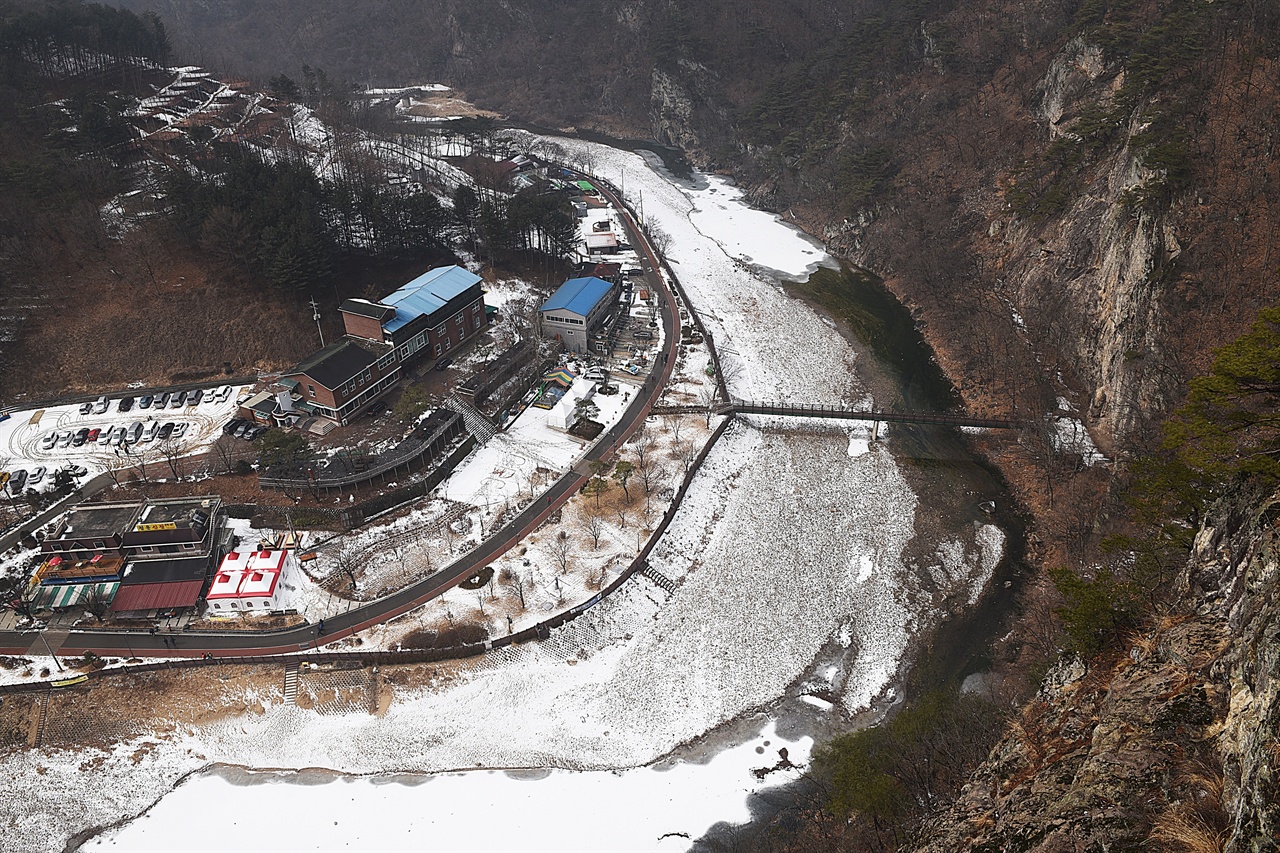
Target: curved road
[[384, 609]]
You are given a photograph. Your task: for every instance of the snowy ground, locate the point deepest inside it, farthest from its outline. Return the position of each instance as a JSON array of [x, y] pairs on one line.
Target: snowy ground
[[728, 257], [22, 434], [664, 808], [791, 542]]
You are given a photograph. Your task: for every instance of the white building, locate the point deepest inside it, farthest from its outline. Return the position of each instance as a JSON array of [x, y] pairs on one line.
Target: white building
[[253, 582], [561, 414]]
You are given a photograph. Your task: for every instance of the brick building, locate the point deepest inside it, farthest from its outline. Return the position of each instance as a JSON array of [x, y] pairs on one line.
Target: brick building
[[340, 379], [433, 315]]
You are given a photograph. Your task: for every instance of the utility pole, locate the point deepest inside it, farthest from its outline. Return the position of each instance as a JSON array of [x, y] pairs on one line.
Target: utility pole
[[315, 315]]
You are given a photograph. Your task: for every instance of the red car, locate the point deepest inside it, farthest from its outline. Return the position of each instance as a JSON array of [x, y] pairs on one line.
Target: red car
[[93, 434]]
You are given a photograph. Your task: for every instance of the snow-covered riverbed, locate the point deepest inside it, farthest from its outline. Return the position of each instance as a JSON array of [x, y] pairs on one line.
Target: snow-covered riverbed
[[792, 543]]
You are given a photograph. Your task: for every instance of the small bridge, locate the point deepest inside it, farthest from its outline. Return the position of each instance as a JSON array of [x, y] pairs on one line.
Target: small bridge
[[809, 410]]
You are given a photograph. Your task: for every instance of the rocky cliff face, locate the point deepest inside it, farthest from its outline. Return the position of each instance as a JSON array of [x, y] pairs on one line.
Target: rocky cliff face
[[1172, 745]]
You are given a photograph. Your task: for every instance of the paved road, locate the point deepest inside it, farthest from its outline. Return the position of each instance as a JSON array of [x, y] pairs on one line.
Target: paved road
[[384, 609]]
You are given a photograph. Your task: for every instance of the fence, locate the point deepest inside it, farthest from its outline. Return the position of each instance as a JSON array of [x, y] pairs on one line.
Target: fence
[[417, 453], [390, 501], [349, 517], [541, 631]]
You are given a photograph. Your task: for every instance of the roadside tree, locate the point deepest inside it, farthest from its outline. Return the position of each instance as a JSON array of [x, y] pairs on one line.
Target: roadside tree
[[596, 487], [622, 473]]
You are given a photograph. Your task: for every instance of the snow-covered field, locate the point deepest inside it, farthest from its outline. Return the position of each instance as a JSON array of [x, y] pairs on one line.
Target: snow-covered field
[[664, 808], [726, 255], [792, 541]]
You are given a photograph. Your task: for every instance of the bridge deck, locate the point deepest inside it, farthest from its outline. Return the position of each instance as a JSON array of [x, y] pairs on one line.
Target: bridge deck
[[804, 410]]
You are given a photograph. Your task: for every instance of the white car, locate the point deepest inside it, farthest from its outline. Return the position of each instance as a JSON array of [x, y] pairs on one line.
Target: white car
[[49, 441], [150, 433], [64, 438], [222, 394], [37, 474], [100, 405], [134, 432], [179, 430]]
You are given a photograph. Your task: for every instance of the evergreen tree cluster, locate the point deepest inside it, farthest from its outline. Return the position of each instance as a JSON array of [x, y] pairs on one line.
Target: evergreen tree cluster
[[69, 36], [280, 221], [524, 222]]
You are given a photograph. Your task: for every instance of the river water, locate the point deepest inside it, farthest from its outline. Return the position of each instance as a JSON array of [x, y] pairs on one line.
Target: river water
[[809, 560]]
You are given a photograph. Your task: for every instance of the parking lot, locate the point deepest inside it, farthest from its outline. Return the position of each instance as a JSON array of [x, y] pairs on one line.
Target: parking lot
[[58, 436]]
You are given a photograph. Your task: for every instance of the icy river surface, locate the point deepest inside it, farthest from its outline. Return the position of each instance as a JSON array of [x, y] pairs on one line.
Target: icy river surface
[[643, 720]]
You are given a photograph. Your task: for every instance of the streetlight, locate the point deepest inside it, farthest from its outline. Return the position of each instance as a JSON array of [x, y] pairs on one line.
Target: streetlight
[[50, 651]]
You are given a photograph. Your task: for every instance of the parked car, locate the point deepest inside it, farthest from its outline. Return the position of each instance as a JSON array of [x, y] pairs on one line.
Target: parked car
[[633, 271], [81, 436], [64, 439], [178, 400], [49, 441], [161, 400], [76, 470], [180, 429], [232, 425], [93, 434], [644, 335], [17, 479], [376, 409], [100, 405], [126, 403], [37, 474], [443, 363], [152, 430], [194, 398], [86, 408], [145, 401], [165, 431], [223, 394], [240, 431], [254, 431], [134, 432]]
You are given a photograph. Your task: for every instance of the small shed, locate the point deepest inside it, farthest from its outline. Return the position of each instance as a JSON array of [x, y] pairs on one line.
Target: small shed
[[561, 415]]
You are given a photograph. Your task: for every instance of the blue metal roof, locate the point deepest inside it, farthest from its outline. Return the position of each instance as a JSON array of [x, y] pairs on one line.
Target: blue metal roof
[[427, 294], [578, 295]]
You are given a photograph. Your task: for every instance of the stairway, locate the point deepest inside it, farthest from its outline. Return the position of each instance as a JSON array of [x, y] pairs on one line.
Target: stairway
[[659, 579], [477, 424], [291, 683], [42, 704]]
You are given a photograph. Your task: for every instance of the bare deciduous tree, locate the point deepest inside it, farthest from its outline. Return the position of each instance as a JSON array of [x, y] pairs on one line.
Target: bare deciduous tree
[[594, 525], [561, 546], [346, 561], [512, 580], [225, 452]]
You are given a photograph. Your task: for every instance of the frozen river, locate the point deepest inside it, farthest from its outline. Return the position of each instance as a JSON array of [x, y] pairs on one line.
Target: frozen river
[[799, 577]]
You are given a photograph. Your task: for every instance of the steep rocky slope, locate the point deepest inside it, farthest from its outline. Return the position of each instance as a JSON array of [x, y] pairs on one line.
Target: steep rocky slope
[[1169, 744], [995, 161]]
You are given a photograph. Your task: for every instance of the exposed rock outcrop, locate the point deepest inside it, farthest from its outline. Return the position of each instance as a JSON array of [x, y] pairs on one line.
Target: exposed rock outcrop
[[1174, 741]]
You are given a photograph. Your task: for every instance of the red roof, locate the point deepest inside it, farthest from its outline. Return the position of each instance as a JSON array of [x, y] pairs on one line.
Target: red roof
[[156, 596]]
